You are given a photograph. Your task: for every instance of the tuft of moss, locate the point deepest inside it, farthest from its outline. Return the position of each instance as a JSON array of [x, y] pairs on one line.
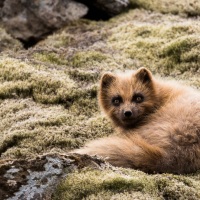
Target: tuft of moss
[[84, 76], [82, 59], [180, 53], [22, 80], [190, 7], [163, 46], [116, 183], [7, 42], [29, 128], [51, 58], [93, 182], [178, 187], [63, 39]]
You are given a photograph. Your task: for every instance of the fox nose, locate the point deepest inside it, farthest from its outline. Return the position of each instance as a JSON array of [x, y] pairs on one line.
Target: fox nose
[[128, 113]]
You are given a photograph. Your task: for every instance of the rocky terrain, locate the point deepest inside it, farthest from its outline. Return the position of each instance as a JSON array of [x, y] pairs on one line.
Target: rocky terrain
[[48, 101]]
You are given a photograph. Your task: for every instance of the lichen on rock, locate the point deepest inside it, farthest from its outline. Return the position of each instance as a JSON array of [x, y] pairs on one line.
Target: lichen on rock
[[37, 178]]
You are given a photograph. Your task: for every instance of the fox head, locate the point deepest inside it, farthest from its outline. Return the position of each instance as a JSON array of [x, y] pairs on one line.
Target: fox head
[[127, 98]]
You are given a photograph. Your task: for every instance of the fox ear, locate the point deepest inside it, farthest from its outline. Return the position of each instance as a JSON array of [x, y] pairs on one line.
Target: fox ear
[[144, 75], [106, 79]]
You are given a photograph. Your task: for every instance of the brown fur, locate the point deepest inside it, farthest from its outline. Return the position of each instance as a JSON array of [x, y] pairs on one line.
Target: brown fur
[[163, 132]]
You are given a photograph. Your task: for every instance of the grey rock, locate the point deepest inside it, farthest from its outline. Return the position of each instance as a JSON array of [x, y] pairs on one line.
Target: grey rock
[[25, 19], [112, 7], [37, 178]]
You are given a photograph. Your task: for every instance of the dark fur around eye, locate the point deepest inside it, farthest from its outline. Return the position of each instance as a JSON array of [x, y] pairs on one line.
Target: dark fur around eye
[[117, 100], [138, 98]]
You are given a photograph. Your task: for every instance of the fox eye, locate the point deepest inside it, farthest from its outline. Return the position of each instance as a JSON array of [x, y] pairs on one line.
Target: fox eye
[[138, 98], [116, 100]]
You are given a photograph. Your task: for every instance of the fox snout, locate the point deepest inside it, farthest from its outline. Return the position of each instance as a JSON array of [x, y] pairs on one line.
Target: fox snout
[[129, 113]]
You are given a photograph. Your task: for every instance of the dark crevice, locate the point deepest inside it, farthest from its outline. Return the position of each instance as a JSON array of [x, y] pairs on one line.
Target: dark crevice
[[30, 42], [1, 3], [96, 14]]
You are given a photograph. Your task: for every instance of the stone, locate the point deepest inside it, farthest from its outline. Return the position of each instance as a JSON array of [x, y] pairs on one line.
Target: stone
[[109, 7], [37, 178], [26, 19], [112, 7]]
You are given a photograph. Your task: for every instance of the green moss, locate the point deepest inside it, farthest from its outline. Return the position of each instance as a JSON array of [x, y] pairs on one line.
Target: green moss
[[20, 79], [32, 128], [7, 42], [12, 89], [178, 187], [176, 48], [11, 141], [82, 59], [107, 195], [84, 76], [180, 53], [51, 58], [47, 127], [63, 39], [86, 106], [88, 184], [159, 46], [190, 7]]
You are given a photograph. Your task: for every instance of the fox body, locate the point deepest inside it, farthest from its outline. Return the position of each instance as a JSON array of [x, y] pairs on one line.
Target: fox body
[[158, 122]]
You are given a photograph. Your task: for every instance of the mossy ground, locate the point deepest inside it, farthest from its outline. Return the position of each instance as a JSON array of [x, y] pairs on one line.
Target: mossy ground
[[180, 7], [7, 42], [48, 96], [128, 184]]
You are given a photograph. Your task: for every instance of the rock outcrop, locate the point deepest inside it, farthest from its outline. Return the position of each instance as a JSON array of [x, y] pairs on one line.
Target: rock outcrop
[[34, 19], [109, 7], [36, 179]]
